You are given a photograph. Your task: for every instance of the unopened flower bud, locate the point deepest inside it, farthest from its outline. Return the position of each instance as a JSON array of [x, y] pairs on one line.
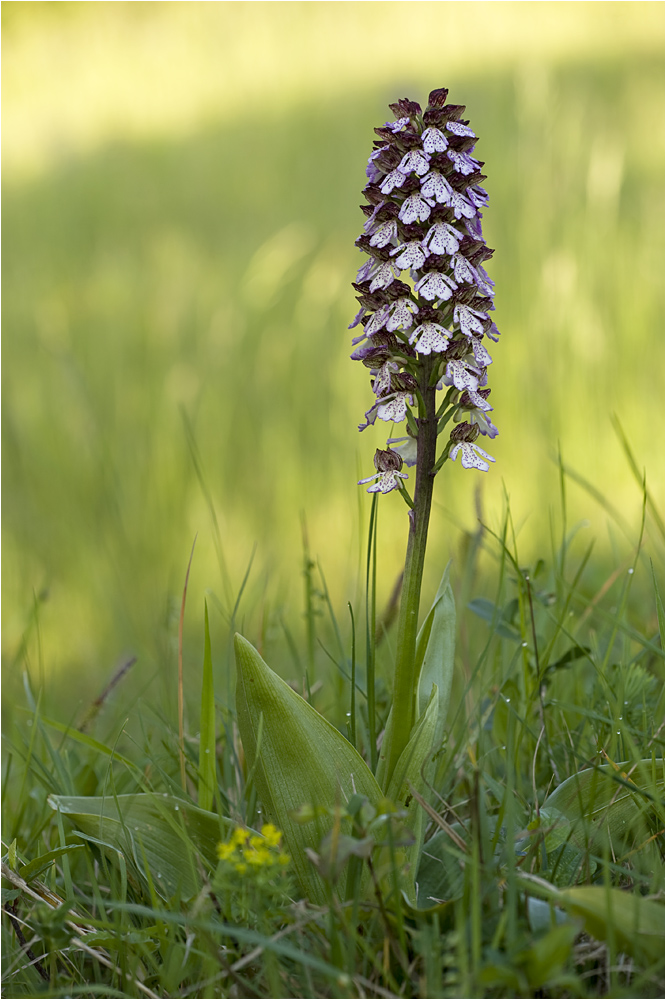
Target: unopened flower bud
[[465, 432], [387, 460]]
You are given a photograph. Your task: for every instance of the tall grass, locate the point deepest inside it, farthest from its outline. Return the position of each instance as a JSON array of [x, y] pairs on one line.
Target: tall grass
[[550, 679]]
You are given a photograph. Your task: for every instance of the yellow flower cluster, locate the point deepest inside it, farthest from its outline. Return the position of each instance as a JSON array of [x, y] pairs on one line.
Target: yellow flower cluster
[[243, 849]]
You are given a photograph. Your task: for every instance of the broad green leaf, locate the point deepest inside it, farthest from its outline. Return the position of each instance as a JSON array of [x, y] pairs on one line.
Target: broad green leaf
[[435, 647], [207, 772], [543, 961], [542, 914], [437, 665], [414, 770], [485, 609], [440, 873], [297, 758], [634, 923], [39, 865], [599, 804], [568, 865], [160, 835]]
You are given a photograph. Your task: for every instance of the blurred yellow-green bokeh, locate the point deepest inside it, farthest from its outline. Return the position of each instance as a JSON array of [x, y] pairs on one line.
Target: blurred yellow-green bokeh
[[181, 191]]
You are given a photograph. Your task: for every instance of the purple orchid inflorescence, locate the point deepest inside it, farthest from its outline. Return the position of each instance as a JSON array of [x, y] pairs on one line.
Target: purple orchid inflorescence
[[425, 298]]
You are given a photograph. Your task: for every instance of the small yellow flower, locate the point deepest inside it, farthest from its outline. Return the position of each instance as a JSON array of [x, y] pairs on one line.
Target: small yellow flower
[[239, 837], [284, 859], [257, 842], [241, 868], [225, 851], [258, 858], [271, 834]]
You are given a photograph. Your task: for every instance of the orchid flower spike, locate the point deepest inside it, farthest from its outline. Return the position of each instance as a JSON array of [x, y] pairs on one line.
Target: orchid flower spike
[[425, 298]]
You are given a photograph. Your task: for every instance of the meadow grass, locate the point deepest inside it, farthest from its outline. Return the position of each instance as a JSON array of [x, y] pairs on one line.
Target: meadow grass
[[551, 678]]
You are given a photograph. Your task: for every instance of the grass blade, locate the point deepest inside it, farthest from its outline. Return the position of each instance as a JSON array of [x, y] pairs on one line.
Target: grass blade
[[207, 770]]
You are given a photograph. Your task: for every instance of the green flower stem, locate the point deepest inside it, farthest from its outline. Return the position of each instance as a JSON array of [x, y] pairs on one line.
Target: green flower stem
[[405, 686]]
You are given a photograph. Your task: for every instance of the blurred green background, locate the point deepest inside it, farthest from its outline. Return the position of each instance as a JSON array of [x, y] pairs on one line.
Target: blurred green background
[[181, 191]]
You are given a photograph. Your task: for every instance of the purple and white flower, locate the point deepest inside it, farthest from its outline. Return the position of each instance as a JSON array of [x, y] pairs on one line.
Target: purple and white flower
[[486, 284], [442, 238], [383, 375], [369, 225], [414, 209], [481, 355], [435, 285], [383, 275], [459, 129], [388, 464], [461, 206], [469, 320], [434, 141], [394, 407], [416, 160], [387, 481], [478, 196], [430, 337], [436, 188], [412, 254], [372, 171], [397, 126], [377, 321], [384, 234], [463, 163], [472, 457], [402, 312], [393, 180], [462, 374], [382, 272], [463, 270]]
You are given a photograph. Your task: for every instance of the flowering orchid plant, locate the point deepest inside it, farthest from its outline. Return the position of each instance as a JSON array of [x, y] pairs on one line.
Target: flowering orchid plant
[[424, 200], [425, 303]]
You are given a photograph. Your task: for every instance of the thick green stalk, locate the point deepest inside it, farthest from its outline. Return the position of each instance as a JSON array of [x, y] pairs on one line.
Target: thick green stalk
[[405, 686]]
